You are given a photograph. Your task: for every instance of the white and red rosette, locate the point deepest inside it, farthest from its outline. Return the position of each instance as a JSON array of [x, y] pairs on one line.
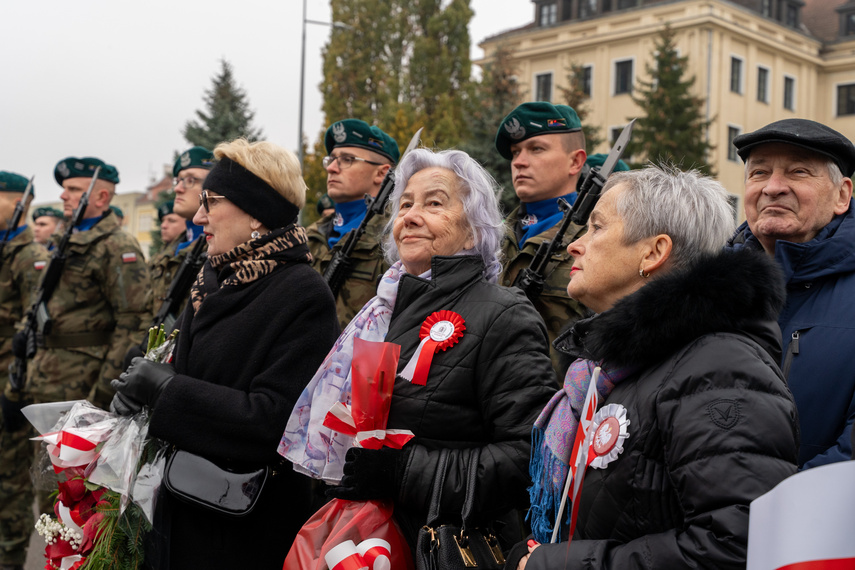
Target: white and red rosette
[[440, 331], [609, 432]]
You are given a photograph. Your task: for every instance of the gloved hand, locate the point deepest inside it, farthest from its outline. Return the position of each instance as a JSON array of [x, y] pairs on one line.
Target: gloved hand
[[370, 474], [19, 345], [140, 385], [13, 419]]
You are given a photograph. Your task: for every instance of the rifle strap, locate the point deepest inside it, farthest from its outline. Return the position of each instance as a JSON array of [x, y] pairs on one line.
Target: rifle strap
[[74, 340]]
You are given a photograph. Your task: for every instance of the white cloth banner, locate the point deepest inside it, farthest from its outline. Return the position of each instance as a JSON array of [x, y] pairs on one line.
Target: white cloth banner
[[806, 522]]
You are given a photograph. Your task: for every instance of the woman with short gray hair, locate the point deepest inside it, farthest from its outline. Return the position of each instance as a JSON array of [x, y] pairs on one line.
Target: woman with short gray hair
[[696, 420]]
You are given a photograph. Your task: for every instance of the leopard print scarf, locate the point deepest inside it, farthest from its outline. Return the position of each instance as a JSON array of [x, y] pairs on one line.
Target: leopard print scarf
[[252, 260]]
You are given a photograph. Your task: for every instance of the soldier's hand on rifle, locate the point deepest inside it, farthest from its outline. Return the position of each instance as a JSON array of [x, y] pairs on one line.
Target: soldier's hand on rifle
[[19, 345], [11, 406], [140, 385]]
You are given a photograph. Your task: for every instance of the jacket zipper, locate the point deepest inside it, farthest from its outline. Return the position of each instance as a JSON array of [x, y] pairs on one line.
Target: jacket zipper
[[792, 350]]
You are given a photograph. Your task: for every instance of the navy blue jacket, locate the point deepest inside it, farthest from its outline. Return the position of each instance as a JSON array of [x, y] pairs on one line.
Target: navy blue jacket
[[818, 327]]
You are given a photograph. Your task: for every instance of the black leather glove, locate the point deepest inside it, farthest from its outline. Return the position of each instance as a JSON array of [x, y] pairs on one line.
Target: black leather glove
[[19, 345], [13, 419], [140, 385], [370, 474]]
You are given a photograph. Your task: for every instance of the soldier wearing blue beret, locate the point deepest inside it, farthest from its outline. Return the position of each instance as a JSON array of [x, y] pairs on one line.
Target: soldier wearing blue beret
[[546, 148], [799, 210], [359, 156]]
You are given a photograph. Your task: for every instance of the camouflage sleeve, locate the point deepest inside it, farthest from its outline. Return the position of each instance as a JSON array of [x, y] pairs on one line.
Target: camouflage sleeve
[[126, 282], [28, 268]]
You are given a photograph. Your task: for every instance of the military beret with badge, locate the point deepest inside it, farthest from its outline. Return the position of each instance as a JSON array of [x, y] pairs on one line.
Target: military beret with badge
[[118, 211], [164, 210], [803, 133], [45, 211], [11, 182], [535, 119], [356, 133], [196, 157], [72, 167]]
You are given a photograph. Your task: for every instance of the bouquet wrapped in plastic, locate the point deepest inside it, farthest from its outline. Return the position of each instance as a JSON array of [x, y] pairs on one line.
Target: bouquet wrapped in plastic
[[107, 473], [359, 534]]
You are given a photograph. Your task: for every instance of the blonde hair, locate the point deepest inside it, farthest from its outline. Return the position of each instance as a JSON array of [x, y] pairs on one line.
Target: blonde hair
[[270, 162]]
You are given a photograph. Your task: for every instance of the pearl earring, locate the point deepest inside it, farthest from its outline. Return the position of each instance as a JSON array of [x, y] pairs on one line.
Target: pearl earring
[[255, 234]]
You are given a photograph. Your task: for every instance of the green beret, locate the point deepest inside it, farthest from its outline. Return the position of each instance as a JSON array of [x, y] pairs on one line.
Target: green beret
[[11, 182], [196, 157], [534, 119], [118, 211], [165, 209], [353, 132], [72, 167], [45, 211], [599, 158]]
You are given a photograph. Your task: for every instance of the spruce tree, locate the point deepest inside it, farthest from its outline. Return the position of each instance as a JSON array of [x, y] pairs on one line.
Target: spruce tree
[[227, 115], [671, 126], [575, 96]]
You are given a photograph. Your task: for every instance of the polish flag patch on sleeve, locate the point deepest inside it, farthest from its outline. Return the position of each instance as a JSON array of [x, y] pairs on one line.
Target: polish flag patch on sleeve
[[129, 257], [39, 265]]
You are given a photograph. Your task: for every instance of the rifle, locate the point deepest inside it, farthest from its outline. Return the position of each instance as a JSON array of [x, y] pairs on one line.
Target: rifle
[[531, 279], [180, 286], [16, 217], [339, 266], [37, 320]]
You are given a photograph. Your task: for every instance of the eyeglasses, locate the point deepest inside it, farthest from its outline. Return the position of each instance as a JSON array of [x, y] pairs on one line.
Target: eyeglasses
[[189, 181], [203, 200], [345, 161]]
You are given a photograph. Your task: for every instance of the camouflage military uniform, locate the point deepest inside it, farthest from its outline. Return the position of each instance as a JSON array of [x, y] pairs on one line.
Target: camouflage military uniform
[[99, 309], [163, 268], [367, 264], [22, 261], [556, 308]]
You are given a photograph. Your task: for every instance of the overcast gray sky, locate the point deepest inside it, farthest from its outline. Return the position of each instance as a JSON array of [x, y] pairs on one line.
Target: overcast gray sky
[[118, 80]]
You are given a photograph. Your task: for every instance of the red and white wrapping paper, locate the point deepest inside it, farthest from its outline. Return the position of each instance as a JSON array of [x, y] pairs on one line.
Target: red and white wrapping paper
[[370, 554], [806, 522]]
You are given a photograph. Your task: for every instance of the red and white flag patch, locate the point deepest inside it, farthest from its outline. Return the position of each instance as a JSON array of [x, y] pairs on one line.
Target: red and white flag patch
[[39, 265], [129, 257]]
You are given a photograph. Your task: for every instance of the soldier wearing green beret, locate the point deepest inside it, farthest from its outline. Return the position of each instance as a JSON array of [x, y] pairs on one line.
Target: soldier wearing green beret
[[46, 222], [20, 267], [546, 148], [190, 170], [360, 155]]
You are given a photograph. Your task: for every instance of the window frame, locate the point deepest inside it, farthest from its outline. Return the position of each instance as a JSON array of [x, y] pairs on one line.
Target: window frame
[[614, 79], [837, 87], [732, 156], [740, 88], [766, 95], [537, 77], [791, 93]]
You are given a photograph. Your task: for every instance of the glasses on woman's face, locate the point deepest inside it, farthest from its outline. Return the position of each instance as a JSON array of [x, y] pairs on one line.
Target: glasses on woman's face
[[188, 181], [345, 161], [203, 200]]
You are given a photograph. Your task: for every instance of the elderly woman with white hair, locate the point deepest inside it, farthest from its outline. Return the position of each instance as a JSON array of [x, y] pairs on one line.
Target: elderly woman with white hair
[[696, 420], [488, 379]]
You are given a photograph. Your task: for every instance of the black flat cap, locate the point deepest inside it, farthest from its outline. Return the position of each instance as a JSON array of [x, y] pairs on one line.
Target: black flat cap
[[806, 134]]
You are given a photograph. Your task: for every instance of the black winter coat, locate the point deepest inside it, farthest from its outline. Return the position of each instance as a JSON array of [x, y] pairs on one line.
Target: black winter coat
[[486, 391], [243, 360], [712, 423]]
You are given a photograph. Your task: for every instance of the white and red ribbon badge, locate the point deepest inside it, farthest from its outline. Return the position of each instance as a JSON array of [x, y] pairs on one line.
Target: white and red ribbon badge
[[370, 554], [440, 331]]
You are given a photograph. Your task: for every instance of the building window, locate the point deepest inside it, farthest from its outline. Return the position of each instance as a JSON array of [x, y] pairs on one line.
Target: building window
[[732, 133], [846, 99], [848, 24], [763, 84], [587, 8], [548, 14], [621, 4], [614, 133], [586, 80], [766, 8], [144, 222], [606, 6], [735, 74], [790, 93], [791, 15], [623, 76], [543, 87]]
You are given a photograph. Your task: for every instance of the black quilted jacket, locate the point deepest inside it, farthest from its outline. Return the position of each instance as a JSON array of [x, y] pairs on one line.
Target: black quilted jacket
[[712, 423]]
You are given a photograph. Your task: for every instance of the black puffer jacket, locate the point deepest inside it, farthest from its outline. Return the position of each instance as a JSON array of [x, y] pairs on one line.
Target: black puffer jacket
[[486, 391], [713, 425]]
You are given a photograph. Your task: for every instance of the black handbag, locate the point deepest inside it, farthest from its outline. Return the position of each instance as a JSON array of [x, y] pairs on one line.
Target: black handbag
[[457, 546], [202, 482]]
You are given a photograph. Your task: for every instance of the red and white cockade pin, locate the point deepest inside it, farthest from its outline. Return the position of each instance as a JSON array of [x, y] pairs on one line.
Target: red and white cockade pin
[[609, 425], [440, 331]]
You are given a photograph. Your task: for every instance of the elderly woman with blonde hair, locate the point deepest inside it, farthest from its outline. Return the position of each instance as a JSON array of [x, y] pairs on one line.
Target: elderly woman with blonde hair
[[259, 322]]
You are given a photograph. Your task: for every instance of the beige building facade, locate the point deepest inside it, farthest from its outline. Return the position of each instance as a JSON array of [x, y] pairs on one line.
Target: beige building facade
[[754, 62]]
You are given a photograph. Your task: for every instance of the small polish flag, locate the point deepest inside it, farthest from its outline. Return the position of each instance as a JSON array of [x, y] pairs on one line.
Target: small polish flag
[[39, 265], [806, 522], [129, 257]]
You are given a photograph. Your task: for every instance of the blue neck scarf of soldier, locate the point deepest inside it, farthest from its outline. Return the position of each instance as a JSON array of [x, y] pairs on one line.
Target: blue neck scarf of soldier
[[87, 224], [348, 216], [537, 217], [193, 231], [7, 235]]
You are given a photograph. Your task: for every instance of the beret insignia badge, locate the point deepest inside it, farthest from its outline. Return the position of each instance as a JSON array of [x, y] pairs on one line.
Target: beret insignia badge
[[339, 133], [185, 160], [515, 129]]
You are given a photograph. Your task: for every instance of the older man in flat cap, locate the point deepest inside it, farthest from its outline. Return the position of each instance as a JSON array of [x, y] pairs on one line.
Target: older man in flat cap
[[21, 265], [799, 210], [46, 222], [546, 148], [359, 156]]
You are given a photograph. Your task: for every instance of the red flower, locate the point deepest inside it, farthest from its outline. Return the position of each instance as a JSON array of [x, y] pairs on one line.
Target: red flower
[[71, 491]]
